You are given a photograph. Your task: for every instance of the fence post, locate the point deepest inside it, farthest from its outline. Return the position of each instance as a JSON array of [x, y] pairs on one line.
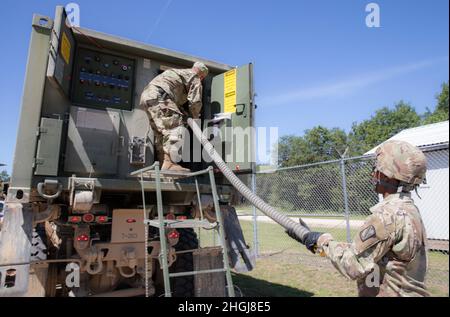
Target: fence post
[[255, 219], [344, 191]]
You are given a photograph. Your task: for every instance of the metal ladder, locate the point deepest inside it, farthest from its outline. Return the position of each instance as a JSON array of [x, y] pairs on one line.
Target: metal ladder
[[162, 224]]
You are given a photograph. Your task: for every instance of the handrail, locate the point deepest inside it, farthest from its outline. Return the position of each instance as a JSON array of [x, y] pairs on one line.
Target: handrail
[[143, 170], [171, 173]]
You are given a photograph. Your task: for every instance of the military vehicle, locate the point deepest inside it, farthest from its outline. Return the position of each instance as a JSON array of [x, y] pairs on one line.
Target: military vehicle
[[79, 201]]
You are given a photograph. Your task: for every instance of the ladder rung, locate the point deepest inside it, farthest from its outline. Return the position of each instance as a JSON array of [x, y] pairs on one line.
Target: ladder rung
[[175, 175], [189, 223], [196, 272], [184, 174]]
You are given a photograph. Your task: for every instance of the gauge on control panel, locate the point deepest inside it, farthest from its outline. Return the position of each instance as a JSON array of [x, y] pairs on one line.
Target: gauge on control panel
[[103, 80]]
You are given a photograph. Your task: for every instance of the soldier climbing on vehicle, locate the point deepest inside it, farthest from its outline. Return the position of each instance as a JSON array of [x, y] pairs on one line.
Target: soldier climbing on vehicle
[[164, 100]]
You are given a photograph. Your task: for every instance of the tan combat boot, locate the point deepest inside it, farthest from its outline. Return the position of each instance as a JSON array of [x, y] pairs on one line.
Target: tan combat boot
[[171, 166]]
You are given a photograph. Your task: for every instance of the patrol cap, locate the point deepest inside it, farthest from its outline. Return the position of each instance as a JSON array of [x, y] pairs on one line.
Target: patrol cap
[[402, 161], [201, 67]]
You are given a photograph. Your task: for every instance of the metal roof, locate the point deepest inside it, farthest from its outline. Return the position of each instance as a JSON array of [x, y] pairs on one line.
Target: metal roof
[[144, 50], [423, 136]]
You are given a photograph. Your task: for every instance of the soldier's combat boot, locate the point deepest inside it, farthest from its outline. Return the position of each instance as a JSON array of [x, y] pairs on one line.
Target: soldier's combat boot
[[171, 166]]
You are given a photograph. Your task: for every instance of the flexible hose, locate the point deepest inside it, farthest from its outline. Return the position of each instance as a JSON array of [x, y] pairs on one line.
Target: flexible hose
[[268, 210]]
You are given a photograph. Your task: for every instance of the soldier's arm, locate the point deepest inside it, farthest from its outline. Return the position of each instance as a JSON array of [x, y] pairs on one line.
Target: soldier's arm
[[195, 98], [355, 260]]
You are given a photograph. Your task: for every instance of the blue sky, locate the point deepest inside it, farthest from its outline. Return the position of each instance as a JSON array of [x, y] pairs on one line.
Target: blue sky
[[316, 62]]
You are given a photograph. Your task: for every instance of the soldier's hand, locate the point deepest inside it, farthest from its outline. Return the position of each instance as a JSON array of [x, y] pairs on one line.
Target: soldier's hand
[[311, 240], [194, 114]]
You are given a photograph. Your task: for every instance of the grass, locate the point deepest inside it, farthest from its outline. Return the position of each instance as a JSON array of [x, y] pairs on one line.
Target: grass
[[286, 268], [248, 211], [277, 276]]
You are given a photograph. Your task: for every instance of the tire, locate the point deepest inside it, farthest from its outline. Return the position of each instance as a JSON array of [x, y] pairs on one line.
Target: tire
[[184, 286]]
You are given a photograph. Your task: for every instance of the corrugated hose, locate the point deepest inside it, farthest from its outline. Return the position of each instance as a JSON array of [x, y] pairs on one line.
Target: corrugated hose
[[300, 229]]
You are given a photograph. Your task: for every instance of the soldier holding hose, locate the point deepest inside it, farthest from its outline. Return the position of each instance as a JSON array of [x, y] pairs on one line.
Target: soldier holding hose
[[388, 255]]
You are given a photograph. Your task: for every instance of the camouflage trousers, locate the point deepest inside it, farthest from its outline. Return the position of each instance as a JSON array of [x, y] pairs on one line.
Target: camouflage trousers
[[167, 124]]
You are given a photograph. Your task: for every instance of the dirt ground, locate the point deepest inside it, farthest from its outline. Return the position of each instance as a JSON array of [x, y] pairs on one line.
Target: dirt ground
[[285, 268], [304, 276]]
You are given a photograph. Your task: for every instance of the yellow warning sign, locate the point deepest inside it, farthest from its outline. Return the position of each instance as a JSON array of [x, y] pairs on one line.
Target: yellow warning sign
[[65, 48], [230, 91]]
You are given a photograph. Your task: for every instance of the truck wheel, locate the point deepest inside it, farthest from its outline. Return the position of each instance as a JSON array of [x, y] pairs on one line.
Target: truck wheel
[[184, 286]]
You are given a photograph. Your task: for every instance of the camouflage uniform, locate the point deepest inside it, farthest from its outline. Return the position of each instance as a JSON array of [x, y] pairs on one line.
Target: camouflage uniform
[[388, 256], [393, 238], [164, 98], [392, 242]]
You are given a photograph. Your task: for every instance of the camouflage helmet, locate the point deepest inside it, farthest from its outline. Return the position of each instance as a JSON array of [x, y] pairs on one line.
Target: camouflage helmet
[[201, 67], [402, 161]]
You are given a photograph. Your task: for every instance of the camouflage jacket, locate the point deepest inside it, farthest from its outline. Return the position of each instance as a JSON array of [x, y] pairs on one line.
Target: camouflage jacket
[[388, 256], [182, 85]]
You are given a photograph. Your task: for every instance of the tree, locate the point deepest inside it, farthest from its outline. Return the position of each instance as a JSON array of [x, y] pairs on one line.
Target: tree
[[317, 188], [317, 145], [440, 113], [380, 127], [4, 176], [326, 144]]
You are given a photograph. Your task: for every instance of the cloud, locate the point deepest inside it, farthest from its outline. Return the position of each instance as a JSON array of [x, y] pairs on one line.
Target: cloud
[[349, 85]]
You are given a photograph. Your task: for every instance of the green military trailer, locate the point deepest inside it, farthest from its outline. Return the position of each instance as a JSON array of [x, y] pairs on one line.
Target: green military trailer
[[88, 211]]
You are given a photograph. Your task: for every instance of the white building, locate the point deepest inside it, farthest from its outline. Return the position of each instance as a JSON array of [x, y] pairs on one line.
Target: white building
[[433, 204]]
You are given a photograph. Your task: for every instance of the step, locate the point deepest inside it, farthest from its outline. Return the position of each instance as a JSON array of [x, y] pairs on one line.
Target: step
[[188, 223], [197, 272]]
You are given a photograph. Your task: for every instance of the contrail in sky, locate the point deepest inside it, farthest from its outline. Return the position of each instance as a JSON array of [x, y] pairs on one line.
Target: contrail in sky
[[158, 20], [348, 86]]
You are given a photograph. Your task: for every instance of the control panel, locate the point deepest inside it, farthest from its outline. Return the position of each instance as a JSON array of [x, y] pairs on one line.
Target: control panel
[[103, 81]]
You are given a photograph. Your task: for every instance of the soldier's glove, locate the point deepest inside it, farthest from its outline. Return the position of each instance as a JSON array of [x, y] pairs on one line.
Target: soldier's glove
[[311, 240]]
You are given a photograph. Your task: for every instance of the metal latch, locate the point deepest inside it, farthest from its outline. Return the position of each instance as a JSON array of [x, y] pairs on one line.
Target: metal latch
[[240, 108], [137, 148], [41, 130], [38, 161], [84, 192]]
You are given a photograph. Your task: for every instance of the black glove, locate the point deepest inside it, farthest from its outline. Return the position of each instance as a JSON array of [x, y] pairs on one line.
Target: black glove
[[311, 240]]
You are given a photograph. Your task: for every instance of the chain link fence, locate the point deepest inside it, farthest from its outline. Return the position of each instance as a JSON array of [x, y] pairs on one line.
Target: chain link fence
[[335, 197]]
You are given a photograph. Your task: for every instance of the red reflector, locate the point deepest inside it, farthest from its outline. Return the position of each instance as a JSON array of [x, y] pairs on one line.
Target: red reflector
[[102, 219], [88, 218], [131, 220], [170, 217], [173, 235], [74, 219], [83, 237], [181, 217]]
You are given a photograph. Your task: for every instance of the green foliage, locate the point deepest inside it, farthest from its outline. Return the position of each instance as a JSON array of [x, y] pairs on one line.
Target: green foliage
[[359, 187], [383, 125], [4, 176], [322, 144], [441, 111], [318, 144]]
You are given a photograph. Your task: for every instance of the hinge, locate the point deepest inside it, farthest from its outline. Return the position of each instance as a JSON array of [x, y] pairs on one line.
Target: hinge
[[38, 161], [41, 130]]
